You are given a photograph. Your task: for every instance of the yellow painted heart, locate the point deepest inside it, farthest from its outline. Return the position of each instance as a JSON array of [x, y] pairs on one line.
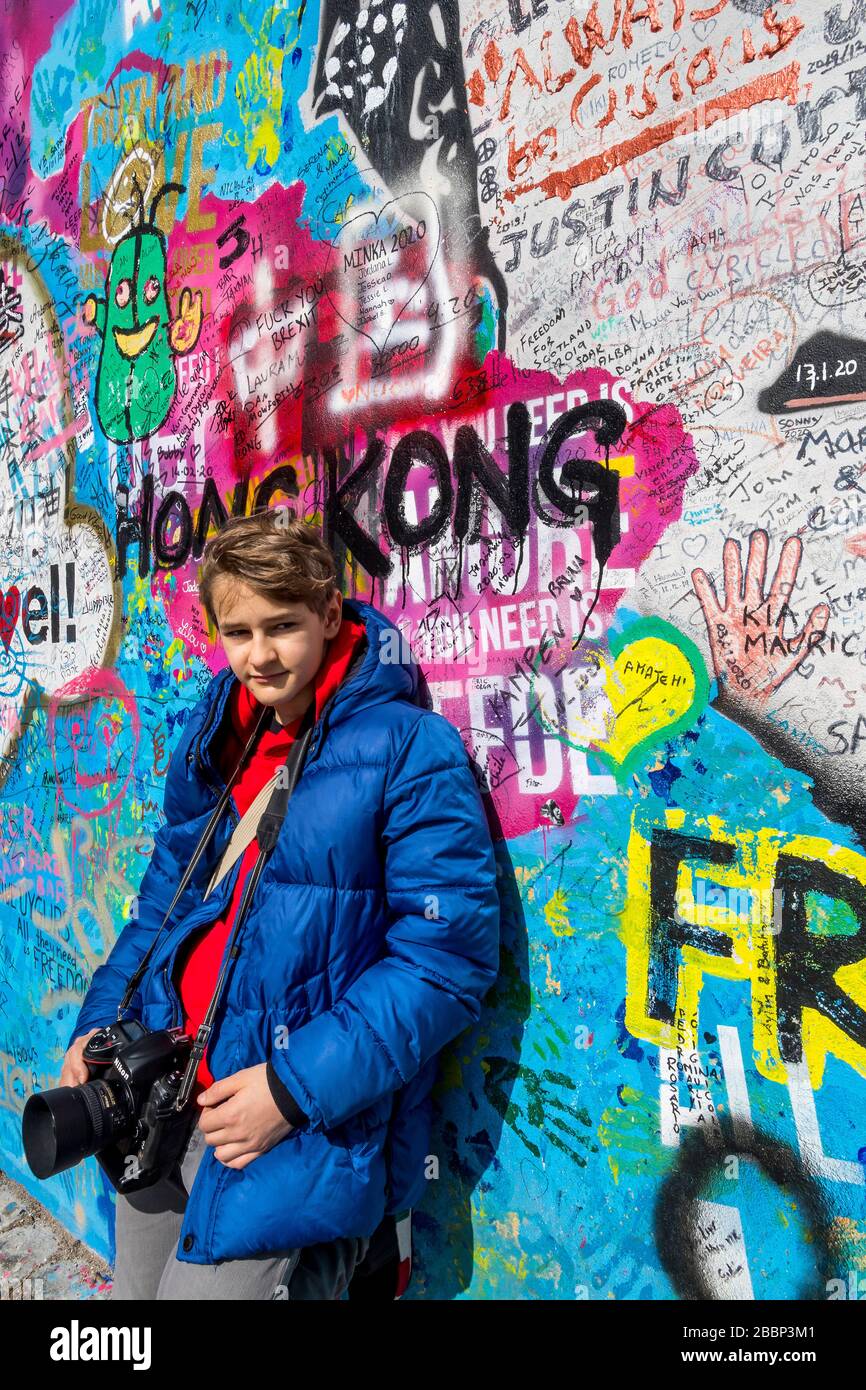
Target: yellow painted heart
[[655, 684]]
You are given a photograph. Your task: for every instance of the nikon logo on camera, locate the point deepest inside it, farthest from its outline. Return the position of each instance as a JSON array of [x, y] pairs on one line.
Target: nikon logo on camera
[[121, 1070]]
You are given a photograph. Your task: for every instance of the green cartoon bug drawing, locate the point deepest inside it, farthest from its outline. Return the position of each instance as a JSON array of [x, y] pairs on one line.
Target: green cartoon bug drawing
[[135, 381]]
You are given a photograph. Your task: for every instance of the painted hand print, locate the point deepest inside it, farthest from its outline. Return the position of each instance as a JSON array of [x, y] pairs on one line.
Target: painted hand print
[[752, 653]]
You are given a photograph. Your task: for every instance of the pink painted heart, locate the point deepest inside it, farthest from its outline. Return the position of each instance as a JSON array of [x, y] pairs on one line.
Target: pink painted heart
[[10, 607]]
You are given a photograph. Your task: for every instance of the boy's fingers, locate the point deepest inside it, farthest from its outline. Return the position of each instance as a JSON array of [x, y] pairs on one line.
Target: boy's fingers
[[224, 1088], [244, 1159], [221, 1135], [231, 1151]]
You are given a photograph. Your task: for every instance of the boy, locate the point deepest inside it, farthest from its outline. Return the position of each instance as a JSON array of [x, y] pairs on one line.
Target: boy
[[369, 944]]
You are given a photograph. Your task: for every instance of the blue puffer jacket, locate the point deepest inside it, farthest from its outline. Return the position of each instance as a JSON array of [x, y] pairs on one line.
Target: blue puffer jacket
[[373, 937]]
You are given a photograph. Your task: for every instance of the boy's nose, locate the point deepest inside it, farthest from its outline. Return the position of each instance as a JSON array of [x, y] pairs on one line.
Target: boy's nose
[[262, 654]]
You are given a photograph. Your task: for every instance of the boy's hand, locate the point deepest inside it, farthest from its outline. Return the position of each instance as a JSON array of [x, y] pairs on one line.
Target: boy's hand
[[240, 1116], [75, 1071]]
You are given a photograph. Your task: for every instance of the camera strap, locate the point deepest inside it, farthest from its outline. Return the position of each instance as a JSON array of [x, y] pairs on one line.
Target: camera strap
[[244, 832], [206, 837], [269, 825]]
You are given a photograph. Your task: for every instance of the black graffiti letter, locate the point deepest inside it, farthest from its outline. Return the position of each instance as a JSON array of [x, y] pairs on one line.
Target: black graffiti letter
[[807, 962], [417, 447], [475, 464], [668, 932], [579, 474], [340, 522]]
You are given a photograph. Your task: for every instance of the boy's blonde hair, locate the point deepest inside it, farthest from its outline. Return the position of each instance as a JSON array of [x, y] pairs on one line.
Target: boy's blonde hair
[[274, 553]]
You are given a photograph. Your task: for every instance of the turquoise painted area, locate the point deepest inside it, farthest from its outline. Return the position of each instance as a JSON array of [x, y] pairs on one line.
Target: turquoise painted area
[[269, 59]]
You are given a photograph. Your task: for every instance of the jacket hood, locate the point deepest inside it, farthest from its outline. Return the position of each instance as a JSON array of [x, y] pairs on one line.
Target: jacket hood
[[386, 671]]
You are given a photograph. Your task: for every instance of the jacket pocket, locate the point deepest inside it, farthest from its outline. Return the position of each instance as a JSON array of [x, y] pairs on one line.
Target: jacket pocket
[[363, 1135]]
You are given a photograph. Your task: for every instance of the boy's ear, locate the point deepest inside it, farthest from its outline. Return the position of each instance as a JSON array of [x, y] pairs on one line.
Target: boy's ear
[[336, 599]]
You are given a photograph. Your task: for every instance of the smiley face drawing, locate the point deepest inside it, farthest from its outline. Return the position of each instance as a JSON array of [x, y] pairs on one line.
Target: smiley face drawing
[[135, 381]]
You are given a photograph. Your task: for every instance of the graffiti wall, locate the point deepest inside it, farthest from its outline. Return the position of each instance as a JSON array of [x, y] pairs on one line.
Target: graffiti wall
[[550, 315]]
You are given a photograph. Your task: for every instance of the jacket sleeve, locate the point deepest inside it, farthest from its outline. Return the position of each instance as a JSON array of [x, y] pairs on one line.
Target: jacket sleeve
[[157, 888], [441, 945], [285, 1101]]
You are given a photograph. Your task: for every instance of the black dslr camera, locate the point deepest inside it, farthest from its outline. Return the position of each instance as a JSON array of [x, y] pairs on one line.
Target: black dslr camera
[[125, 1114]]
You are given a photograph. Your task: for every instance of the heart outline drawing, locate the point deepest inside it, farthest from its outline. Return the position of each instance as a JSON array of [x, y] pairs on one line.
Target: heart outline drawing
[[376, 217], [694, 546]]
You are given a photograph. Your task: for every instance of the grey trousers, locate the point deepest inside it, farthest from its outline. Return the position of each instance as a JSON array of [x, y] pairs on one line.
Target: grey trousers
[[147, 1229]]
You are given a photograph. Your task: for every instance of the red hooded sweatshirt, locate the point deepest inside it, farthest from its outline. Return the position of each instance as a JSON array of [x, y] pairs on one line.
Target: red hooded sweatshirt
[[199, 958]]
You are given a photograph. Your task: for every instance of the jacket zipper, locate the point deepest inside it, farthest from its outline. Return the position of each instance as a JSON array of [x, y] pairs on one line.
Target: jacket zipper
[[320, 726], [198, 758]]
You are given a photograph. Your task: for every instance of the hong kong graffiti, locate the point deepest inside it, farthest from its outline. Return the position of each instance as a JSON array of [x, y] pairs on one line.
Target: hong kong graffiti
[[549, 318]]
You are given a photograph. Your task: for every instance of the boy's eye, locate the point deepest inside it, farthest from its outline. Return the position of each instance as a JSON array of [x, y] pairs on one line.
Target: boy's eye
[[242, 632]]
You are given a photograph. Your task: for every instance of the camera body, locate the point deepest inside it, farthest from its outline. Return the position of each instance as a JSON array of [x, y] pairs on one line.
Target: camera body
[[125, 1114], [145, 1069]]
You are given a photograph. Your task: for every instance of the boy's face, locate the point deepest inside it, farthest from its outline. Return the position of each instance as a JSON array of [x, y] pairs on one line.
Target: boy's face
[[275, 649]]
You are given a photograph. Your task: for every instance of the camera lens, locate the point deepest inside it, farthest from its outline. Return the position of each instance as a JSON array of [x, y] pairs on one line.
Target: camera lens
[[63, 1126]]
